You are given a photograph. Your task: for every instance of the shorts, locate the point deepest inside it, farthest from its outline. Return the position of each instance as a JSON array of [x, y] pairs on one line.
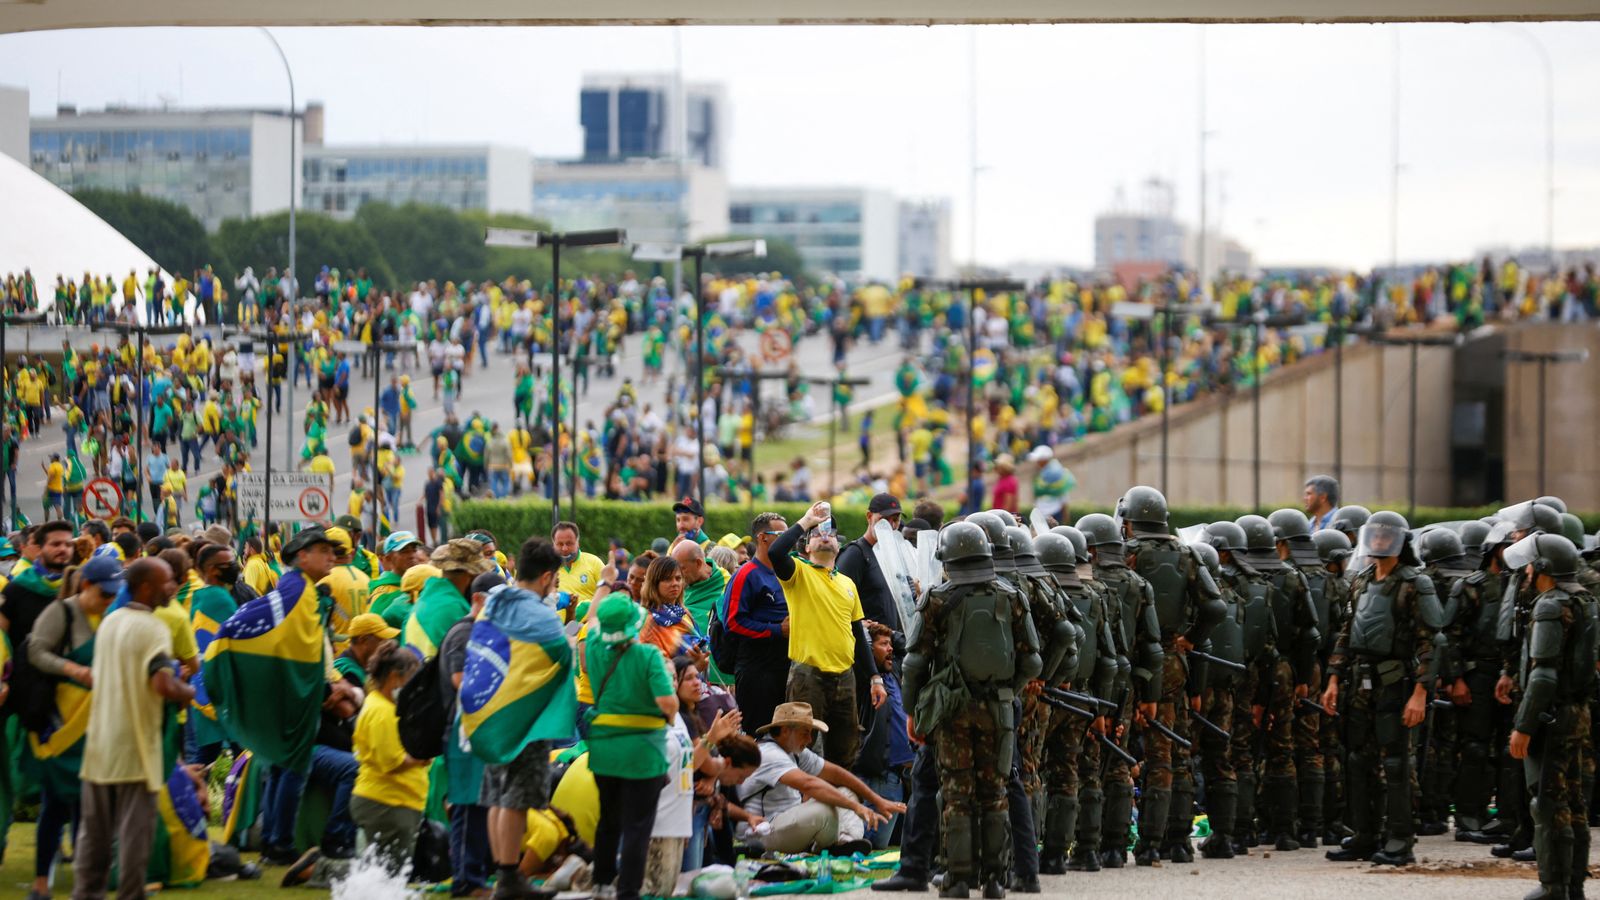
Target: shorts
[[343, 392], [325, 383], [523, 783], [438, 371], [55, 498]]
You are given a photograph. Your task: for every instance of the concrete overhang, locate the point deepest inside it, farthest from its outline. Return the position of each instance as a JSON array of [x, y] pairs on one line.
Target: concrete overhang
[[39, 15]]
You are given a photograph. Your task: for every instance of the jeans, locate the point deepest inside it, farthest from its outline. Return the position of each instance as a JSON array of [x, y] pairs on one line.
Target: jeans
[[694, 854], [469, 846], [499, 482], [337, 770], [622, 837], [391, 498], [280, 804], [191, 448], [889, 786], [919, 841]]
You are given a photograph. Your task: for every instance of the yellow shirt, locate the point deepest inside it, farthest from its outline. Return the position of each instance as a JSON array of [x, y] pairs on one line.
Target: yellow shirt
[[822, 606], [585, 689], [385, 775], [55, 478], [176, 481], [259, 575], [123, 745], [580, 579], [347, 586], [322, 464], [177, 621]]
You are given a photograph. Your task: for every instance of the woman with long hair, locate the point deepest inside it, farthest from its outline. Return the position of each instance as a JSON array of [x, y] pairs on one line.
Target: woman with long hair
[[669, 627]]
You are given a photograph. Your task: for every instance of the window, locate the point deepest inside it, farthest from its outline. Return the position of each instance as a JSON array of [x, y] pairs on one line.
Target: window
[[739, 215]]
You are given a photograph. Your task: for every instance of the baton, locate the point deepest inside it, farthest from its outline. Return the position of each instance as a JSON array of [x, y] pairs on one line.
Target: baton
[[1111, 745], [1075, 697], [1219, 661], [1075, 710], [1441, 704], [1172, 736], [1209, 725], [1307, 701]]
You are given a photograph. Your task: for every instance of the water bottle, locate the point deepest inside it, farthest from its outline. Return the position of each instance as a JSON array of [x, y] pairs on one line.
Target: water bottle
[[825, 869]]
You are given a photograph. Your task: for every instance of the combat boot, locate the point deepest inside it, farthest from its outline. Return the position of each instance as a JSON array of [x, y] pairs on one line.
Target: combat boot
[[1311, 791], [1180, 824], [1023, 885], [1152, 825], [1245, 824], [901, 881], [1086, 849], [1281, 797], [960, 857], [1221, 801], [1060, 822], [1114, 837], [954, 889], [994, 891], [1394, 853]]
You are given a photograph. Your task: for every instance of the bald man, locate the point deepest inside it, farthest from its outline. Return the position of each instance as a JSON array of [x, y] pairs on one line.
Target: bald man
[[703, 587]]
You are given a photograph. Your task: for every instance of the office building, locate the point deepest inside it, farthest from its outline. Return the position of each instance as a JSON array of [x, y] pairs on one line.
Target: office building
[[655, 200], [925, 238], [218, 163], [637, 116], [339, 179], [853, 233]]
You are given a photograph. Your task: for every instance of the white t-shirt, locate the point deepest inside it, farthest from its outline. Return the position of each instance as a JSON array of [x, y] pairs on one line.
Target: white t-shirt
[[675, 808], [763, 794]]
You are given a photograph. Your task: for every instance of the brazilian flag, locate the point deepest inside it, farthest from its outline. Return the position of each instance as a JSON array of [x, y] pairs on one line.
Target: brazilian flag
[[264, 672], [439, 606], [241, 800], [181, 850], [517, 686], [211, 607]]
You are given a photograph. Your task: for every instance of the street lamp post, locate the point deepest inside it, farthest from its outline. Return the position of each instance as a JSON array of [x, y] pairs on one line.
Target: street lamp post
[[698, 253], [526, 239], [1414, 340], [971, 286], [1549, 137]]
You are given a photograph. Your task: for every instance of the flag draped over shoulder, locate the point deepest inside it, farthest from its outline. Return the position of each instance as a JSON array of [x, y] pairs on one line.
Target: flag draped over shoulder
[[517, 686], [241, 800], [211, 606], [181, 851], [264, 673], [439, 606]]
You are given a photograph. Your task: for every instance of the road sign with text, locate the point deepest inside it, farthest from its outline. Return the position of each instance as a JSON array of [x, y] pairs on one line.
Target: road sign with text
[[296, 496]]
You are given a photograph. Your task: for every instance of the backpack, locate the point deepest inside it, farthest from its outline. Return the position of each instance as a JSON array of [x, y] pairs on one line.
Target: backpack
[[424, 716], [724, 644]]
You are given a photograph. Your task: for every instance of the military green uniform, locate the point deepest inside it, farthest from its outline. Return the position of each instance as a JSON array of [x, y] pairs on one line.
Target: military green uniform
[[1071, 765], [1473, 656], [1136, 632], [1188, 605], [970, 651], [1383, 653], [1222, 783], [1446, 565], [1557, 675]]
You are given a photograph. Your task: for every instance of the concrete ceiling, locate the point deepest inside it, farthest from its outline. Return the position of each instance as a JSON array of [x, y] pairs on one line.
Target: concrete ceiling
[[38, 15]]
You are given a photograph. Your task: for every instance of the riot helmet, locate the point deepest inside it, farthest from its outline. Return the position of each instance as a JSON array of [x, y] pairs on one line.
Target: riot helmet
[[1056, 552], [1386, 535], [1289, 524], [1529, 516], [1349, 519], [1438, 546], [1549, 554], [1472, 535], [961, 542], [1260, 545], [1022, 550], [995, 530], [1332, 546], [1572, 529], [1145, 509], [1004, 515], [1555, 503], [1226, 536], [1080, 545], [1100, 530]]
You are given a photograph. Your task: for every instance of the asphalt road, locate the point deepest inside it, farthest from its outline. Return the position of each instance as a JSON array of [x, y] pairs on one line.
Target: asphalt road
[[487, 390]]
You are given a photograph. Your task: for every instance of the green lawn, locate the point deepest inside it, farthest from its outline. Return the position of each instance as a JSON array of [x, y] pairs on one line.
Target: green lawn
[[16, 874]]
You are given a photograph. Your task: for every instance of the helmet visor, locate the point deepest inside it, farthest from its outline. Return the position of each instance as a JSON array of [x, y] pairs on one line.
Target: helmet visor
[[1522, 553], [1382, 541]]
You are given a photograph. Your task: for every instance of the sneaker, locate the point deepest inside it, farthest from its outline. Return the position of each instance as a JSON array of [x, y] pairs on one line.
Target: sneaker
[[279, 856], [300, 871]]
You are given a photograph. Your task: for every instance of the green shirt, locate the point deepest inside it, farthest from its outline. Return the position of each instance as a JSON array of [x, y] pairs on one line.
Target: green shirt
[[701, 599], [622, 741]]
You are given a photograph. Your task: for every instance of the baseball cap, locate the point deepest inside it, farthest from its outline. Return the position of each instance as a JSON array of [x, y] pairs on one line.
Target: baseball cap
[[461, 555], [400, 540], [340, 539], [884, 505], [103, 572], [348, 523], [369, 623], [689, 505], [302, 540]]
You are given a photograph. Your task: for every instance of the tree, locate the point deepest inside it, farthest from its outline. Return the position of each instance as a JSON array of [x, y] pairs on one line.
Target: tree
[[423, 242], [167, 232], [782, 257], [319, 241]]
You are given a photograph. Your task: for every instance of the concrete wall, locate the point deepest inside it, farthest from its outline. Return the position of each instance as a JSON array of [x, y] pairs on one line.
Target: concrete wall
[[14, 125], [1211, 448], [1572, 409]]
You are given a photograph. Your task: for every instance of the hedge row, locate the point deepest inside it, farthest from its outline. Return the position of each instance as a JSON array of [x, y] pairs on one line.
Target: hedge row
[[637, 524]]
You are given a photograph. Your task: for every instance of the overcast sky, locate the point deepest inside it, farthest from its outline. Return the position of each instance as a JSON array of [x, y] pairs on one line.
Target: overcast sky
[[1299, 116]]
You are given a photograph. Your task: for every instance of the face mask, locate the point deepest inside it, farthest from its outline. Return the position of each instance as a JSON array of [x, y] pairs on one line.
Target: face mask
[[568, 558], [228, 574]]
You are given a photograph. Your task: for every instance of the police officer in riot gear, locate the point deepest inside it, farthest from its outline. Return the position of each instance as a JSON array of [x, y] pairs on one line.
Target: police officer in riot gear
[[1472, 535], [1382, 665], [1289, 676], [1188, 606], [1334, 551], [1557, 674], [1349, 519], [970, 651], [1292, 531], [1445, 563], [1130, 601], [1222, 783], [1258, 643], [1071, 765]]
